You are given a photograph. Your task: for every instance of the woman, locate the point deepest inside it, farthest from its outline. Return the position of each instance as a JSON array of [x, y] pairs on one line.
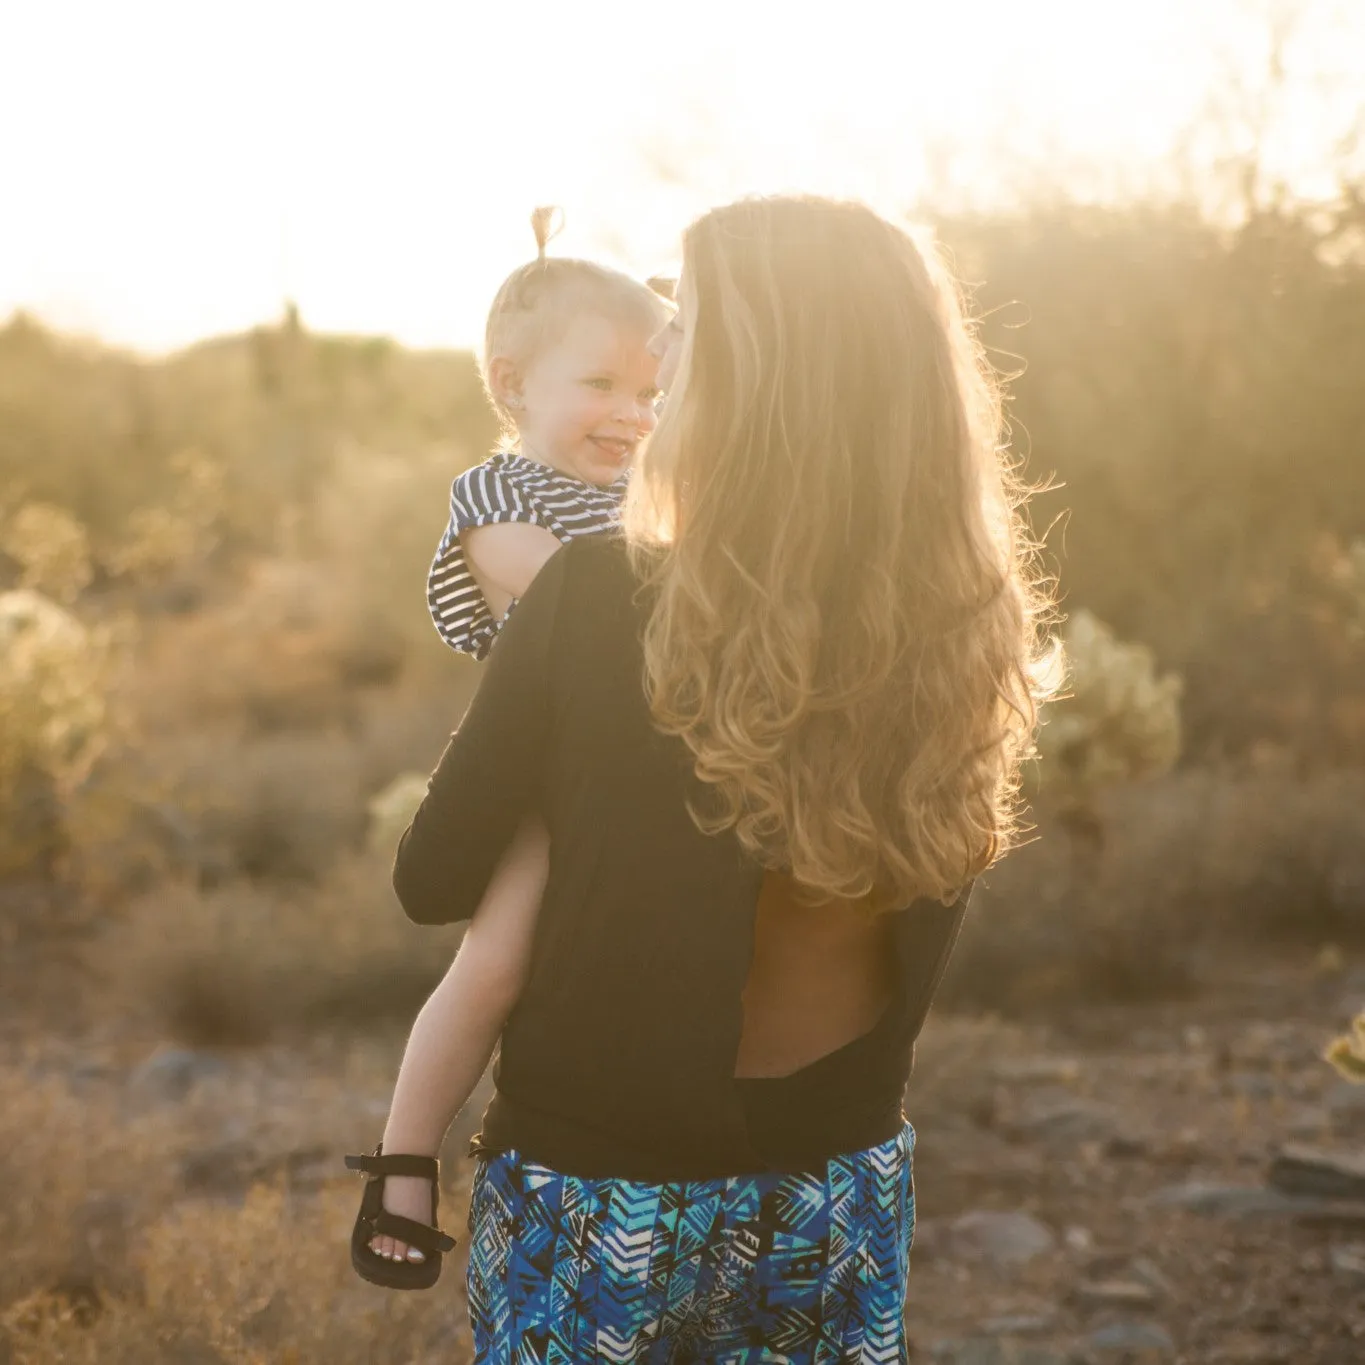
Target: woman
[[774, 731]]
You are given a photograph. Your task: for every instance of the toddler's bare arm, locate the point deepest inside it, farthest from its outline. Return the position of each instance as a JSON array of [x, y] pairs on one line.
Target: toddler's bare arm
[[459, 1025], [505, 558], [456, 1030]]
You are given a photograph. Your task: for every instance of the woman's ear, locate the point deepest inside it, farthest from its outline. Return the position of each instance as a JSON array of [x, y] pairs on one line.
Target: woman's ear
[[505, 381]]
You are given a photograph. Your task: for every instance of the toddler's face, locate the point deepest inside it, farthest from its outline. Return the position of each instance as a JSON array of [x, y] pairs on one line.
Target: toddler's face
[[588, 400]]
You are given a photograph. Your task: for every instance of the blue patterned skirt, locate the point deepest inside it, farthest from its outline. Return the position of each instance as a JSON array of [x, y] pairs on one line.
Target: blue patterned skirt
[[807, 1269]]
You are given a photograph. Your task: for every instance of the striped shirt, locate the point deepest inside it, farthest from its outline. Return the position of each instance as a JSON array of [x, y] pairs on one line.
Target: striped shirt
[[507, 487]]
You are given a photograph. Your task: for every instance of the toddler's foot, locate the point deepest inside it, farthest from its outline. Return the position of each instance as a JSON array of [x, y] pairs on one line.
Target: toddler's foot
[[409, 1196]]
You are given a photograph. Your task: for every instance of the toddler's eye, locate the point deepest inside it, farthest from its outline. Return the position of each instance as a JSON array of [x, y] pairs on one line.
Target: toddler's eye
[[603, 384], [650, 395]]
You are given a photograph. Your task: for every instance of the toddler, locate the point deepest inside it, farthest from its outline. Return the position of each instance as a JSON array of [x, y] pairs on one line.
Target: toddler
[[569, 368]]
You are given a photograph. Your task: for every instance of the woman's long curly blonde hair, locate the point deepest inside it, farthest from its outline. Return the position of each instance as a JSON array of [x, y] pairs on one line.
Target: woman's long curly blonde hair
[[846, 629]]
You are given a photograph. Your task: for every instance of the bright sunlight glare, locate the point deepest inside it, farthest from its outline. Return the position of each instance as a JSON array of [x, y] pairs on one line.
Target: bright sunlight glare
[[173, 171]]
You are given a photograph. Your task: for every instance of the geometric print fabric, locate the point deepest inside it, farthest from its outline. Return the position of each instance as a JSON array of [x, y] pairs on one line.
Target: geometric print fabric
[[805, 1269]]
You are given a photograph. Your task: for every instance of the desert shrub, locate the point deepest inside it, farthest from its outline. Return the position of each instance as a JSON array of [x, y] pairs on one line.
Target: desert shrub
[[1195, 394], [375, 526], [296, 640], [218, 805], [260, 660], [241, 963], [112, 1249], [50, 548], [99, 432], [264, 1282], [1116, 724], [282, 808], [1043, 936], [1193, 390], [59, 1152], [1284, 856], [53, 720], [1282, 659], [249, 751], [74, 428], [164, 538], [1196, 865], [405, 728]]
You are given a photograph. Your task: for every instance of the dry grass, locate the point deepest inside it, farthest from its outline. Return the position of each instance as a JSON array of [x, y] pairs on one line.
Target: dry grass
[[258, 729], [284, 808], [242, 963], [1191, 867], [112, 1250]]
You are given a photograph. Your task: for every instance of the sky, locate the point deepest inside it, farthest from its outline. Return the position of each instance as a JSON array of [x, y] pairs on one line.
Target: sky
[[170, 171]]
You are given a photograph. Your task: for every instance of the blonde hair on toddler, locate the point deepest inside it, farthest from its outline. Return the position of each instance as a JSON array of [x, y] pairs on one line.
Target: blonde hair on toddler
[[536, 301]]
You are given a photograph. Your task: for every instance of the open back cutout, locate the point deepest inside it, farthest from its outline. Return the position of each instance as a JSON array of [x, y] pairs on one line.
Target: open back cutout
[[821, 976]]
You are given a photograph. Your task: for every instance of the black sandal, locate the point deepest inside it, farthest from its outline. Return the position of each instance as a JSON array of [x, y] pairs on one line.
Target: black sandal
[[374, 1220]]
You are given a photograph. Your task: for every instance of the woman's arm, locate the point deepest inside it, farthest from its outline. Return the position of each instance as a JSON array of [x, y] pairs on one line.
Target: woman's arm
[[488, 780]]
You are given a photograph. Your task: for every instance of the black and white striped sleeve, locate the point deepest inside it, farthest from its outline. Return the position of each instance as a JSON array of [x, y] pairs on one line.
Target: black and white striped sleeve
[[490, 777], [482, 496]]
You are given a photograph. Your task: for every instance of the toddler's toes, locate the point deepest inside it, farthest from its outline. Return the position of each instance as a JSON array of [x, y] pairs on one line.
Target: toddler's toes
[[383, 1247]]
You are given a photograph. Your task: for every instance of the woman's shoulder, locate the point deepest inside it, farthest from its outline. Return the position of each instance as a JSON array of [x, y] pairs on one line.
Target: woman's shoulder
[[596, 583], [600, 561]]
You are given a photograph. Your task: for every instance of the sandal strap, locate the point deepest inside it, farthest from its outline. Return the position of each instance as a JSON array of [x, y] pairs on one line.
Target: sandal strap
[[423, 1167], [420, 1235]]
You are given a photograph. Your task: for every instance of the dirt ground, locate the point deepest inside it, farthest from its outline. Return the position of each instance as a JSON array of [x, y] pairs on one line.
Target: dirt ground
[[1142, 1139], [1094, 1188]]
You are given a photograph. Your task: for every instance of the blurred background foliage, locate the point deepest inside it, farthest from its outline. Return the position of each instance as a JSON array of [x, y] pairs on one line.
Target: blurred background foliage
[[241, 531], [1196, 391], [1193, 390], [220, 694]]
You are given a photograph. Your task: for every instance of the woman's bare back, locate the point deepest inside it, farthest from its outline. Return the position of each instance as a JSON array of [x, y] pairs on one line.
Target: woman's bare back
[[821, 976]]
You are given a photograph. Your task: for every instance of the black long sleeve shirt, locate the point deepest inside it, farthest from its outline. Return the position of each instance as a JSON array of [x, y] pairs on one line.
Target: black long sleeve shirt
[[619, 1057]]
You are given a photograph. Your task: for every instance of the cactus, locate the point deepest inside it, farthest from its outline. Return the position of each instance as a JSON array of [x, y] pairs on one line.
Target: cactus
[[52, 550], [53, 719], [1117, 721], [1347, 1053]]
